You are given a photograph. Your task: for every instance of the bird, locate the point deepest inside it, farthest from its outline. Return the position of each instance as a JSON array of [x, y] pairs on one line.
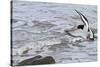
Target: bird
[[83, 28], [90, 35]]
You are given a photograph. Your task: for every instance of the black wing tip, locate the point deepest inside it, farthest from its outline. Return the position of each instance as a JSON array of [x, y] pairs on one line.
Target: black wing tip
[[81, 15], [78, 12]]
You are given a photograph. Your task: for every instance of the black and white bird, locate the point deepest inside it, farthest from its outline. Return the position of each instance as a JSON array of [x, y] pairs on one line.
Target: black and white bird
[[82, 29], [90, 34]]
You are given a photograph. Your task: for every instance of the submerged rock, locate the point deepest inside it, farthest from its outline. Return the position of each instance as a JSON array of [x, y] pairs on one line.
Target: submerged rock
[[37, 60]]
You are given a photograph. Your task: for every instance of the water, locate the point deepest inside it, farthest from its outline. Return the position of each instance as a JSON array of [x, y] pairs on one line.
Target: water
[[38, 29]]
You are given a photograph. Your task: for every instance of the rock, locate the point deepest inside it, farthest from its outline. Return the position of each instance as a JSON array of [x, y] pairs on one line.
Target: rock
[[37, 60], [28, 61], [45, 60]]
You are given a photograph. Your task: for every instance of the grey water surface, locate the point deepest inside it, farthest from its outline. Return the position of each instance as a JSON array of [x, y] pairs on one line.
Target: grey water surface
[[38, 29]]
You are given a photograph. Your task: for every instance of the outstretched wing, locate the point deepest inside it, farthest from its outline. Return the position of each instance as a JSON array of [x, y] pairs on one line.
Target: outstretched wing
[[84, 19]]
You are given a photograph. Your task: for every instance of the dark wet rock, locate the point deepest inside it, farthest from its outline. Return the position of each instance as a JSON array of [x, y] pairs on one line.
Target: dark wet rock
[[45, 60], [28, 61], [37, 60]]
